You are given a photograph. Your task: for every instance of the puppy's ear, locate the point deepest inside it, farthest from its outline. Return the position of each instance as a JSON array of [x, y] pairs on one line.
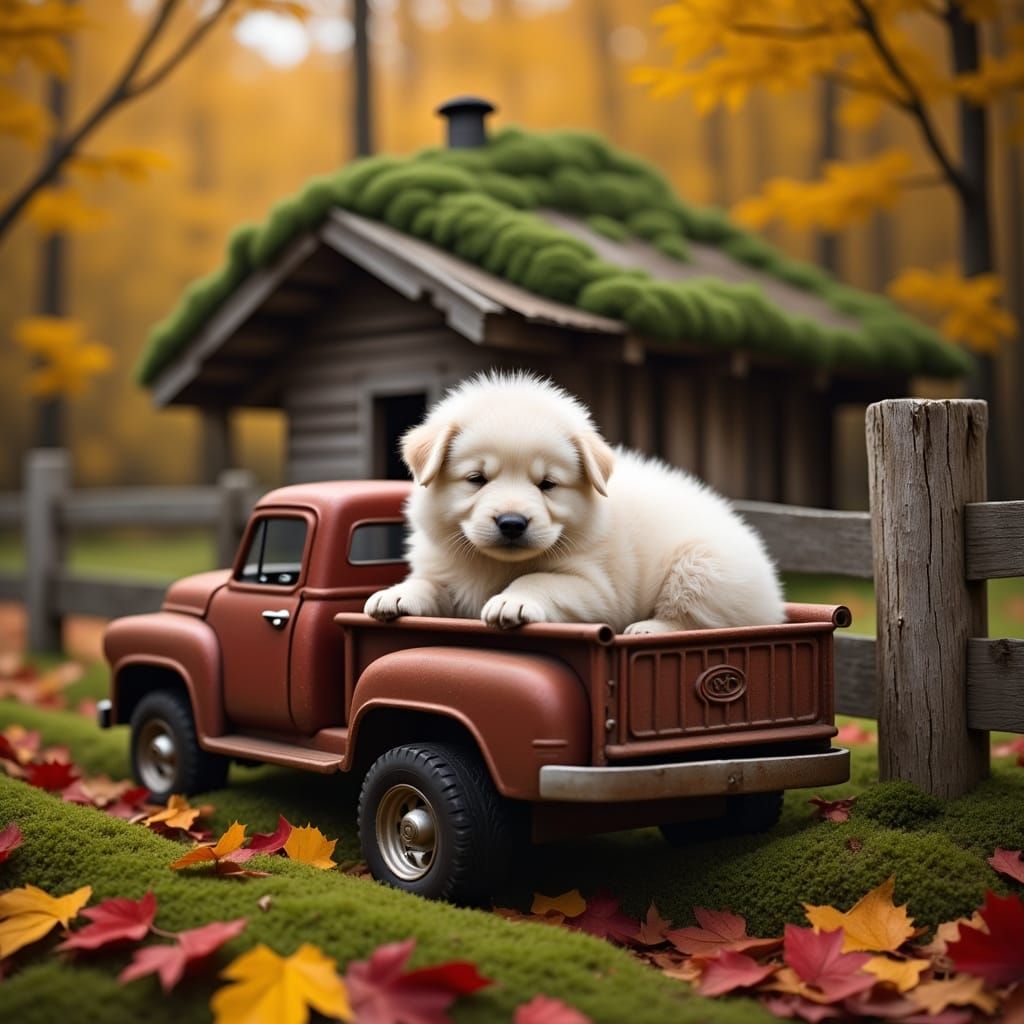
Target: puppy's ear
[[425, 447], [597, 460]]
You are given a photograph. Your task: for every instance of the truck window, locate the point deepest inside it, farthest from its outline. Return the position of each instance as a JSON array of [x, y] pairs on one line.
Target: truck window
[[274, 555], [377, 542]]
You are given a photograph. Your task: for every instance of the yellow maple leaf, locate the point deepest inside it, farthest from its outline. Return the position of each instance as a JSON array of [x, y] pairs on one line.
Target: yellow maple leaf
[[308, 845], [873, 924], [28, 913], [904, 974], [271, 989], [131, 163], [569, 904], [961, 990], [178, 813], [62, 209], [230, 841]]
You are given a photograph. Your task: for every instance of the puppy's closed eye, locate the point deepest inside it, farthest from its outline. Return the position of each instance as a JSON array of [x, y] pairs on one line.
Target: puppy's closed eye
[[547, 485]]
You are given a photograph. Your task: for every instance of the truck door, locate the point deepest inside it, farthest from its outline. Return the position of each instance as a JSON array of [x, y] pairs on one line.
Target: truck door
[[254, 619]]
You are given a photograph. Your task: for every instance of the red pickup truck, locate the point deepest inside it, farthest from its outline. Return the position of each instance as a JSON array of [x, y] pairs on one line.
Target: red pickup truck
[[465, 737]]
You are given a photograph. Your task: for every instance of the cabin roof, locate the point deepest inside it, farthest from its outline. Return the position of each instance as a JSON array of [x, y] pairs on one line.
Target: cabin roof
[[560, 229]]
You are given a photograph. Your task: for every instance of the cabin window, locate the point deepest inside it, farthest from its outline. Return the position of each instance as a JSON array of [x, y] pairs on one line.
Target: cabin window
[[274, 555], [393, 415], [373, 543]]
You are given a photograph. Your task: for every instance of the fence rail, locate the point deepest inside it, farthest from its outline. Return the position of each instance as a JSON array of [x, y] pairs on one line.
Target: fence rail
[[920, 623]]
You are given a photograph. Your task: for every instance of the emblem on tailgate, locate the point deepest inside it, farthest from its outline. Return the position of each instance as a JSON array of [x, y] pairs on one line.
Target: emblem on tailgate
[[721, 684]]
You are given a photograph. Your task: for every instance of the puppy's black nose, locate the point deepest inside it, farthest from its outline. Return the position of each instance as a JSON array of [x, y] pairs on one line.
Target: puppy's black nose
[[511, 525]]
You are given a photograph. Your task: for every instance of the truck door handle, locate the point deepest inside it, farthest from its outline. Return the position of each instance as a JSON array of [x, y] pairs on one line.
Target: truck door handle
[[276, 619]]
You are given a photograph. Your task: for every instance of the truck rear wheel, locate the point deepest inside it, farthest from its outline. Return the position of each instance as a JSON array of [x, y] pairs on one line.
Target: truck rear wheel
[[166, 756], [745, 814], [431, 822]]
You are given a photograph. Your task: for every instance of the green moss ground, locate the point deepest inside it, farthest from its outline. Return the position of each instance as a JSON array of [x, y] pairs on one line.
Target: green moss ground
[[936, 851], [480, 205]]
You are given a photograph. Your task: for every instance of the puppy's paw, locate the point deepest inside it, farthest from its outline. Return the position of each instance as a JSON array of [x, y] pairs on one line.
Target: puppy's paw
[[651, 626], [398, 600], [508, 611]]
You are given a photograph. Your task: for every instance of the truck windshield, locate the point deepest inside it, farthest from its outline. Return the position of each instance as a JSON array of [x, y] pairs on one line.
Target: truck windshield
[[274, 555], [377, 542]]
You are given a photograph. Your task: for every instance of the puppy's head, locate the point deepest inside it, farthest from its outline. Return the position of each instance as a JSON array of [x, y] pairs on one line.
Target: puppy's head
[[510, 466]]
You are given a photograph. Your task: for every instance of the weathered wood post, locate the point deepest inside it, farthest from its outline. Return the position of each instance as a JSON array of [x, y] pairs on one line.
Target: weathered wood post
[[236, 491], [926, 460], [47, 477]]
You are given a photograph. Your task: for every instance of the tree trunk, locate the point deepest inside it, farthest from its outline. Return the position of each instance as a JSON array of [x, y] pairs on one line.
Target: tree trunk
[[362, 96], [828, 241]]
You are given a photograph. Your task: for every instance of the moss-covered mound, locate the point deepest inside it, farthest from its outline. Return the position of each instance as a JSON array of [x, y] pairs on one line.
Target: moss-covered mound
[[479, 203]]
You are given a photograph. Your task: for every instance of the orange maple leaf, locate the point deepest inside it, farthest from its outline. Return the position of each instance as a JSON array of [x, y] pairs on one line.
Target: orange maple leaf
[[216, 852], [178, 813], [874, 924]]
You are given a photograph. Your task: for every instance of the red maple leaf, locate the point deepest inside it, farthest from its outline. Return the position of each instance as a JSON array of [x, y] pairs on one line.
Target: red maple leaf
[[719, 929], [170, 959], [818, 960], [604, 920], [129, 805], [10, 840], [51, 775], [731, 970], [832, 810], [1014, 746], [795, 1006], [382, 994], [117, 920], [271, 842], [998, 954], [543, 1010], [1009, 863]]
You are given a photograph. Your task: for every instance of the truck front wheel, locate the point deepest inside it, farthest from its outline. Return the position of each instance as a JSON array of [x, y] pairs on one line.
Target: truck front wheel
[[166, 756], [431, 822], [745, 814]]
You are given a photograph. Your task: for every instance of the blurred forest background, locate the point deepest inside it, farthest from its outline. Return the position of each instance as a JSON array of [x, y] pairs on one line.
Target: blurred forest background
[[266, 100]]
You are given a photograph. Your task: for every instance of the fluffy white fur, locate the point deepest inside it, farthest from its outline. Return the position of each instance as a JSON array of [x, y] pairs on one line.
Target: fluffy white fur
[[618, 538]]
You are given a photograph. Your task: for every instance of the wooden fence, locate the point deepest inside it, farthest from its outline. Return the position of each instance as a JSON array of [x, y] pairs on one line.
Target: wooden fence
[[933, 679]]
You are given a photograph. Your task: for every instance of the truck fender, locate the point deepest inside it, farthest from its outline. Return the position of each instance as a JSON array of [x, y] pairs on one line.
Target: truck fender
[[523, 710], [165, 642]]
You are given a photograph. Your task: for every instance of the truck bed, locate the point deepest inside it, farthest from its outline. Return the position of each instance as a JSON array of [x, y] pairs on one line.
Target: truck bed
[[662, 697]]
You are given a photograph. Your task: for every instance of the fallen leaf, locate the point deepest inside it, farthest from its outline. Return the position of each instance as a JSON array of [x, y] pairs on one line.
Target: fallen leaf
[[308, 845], [949, 932], [998, 954], [873, 923], [271, 842], [19, 744], [265, 902], [543, 1010], [205, 853], [382, 994], [902, 974], [719, 929], [882, 1003], [832, 810], [10, 840], [730, 971], [852, 734], [789, 1006], [604, 920], [817, 968], [1009, 863], [569, 904], [28, 913], [270, 989], [116, 920], [962, 990], [653, 929], [1010, 748], [51, 775], [99, 791], [169, 960], [178, 813], [129, 804]]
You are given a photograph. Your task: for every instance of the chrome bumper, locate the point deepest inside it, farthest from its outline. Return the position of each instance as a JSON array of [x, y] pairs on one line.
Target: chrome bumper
[[104, 709], [694, 778]]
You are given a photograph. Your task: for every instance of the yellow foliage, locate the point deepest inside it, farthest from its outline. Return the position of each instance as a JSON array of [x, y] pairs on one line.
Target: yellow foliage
[[903, 974], [291, 8], [309, 845], [962, 990], [997, 76], [35, 32], [271, 989], [872, 924], [28, 913], [131, 163], [22, 119], [67, 361], [848, 194], [62, 209], [967, 305]]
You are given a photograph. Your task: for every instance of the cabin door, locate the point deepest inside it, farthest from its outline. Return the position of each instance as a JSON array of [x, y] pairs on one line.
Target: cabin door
[[393, 415]]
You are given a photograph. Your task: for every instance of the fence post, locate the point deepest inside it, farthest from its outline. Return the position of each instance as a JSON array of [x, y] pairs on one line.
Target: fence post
[[236, 487], [47, 477], [926, 460]]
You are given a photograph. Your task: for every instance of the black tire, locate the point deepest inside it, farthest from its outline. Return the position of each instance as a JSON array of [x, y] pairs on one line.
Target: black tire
[[431, 822], [745, 814], [162, 721]]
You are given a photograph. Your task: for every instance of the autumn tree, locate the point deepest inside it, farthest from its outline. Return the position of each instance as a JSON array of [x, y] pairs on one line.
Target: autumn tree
[[725, 49]]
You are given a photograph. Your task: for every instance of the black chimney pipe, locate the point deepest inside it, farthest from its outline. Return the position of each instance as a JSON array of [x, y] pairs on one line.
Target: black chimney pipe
[[465, 116]]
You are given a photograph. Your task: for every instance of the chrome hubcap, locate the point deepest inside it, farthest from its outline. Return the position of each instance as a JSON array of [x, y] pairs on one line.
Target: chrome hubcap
[[406, 832], [156, 755]]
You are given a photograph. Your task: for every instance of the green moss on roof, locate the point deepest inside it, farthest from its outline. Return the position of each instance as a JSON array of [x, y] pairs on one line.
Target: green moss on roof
[[479, 204]]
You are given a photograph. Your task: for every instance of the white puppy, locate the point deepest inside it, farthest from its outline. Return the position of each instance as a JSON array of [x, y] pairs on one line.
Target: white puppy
[[519, 517]]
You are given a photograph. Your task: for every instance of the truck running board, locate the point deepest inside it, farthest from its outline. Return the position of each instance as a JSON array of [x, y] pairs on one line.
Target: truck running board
[[287, 754]]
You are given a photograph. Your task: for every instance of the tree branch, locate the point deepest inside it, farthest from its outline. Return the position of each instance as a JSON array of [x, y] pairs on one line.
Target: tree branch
[[865, 85], [914, 103], [793, 32]]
